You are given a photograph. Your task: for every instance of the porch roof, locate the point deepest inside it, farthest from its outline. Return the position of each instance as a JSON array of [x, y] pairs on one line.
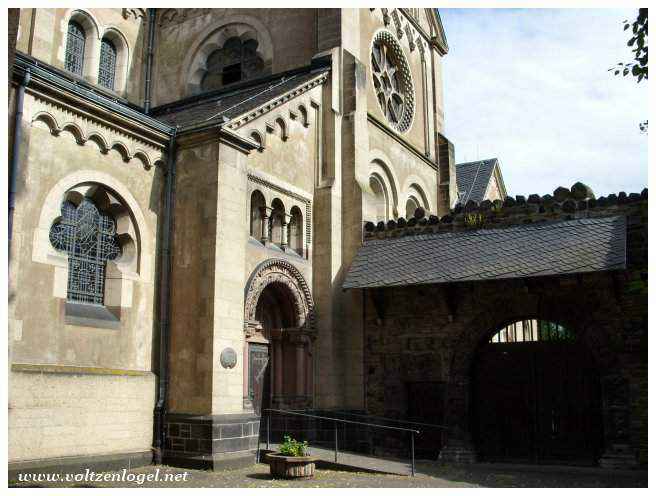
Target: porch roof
[[565, 247]]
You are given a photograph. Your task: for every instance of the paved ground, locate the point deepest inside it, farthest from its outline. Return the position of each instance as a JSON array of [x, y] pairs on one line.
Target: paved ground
[[365, 462], [430, 474]]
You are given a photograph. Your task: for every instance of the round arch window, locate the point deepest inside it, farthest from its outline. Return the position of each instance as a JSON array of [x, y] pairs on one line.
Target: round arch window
[[236, 61]]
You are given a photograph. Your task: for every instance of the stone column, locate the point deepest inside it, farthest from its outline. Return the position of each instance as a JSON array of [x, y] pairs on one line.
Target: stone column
[[266, 228], [618, 450], [277, 366], [300, 366], [458, 447], [309, 368], [286, 218]]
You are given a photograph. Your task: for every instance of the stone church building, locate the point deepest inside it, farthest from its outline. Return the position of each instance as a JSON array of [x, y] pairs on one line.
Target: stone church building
[[218, 211]]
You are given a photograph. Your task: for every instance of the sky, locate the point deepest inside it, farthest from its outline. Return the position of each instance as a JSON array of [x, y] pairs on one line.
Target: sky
[[532, 88]]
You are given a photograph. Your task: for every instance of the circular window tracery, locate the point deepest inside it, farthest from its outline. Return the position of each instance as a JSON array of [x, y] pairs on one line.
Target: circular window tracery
[[392, 81]]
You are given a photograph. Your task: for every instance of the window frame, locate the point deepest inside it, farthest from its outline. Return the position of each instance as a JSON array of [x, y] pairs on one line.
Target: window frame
[[81, 39], [107, 66]]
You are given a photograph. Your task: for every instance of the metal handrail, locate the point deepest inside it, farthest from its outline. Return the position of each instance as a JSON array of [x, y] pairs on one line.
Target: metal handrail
[[291, 412], [335, 420], [400, 421]]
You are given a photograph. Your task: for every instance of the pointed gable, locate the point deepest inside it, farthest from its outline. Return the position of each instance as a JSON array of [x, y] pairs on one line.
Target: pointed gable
[[474, 180]]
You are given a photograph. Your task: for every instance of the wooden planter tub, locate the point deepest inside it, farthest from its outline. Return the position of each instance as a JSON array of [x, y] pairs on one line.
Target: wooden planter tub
[[291, 467]]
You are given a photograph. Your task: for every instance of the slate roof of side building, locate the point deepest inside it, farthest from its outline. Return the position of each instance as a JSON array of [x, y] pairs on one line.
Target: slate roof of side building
[[473, 178], [564, 247]]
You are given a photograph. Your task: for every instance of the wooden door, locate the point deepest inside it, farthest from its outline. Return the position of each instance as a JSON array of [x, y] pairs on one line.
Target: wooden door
[[258, 376], [537, 402]]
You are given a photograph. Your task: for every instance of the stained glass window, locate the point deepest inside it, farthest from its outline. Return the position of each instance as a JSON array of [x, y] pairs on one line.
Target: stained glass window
[[107, 69], [89, 238], [75, 48]]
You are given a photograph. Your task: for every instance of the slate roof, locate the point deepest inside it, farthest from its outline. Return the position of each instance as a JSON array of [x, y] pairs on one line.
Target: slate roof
[[565, 247], [232, 102], [473, 178]]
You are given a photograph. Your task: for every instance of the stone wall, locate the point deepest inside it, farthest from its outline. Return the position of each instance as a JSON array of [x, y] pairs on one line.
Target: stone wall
[[63, 412], [432, 332], [286, 39], [43, 35], [81, 388]]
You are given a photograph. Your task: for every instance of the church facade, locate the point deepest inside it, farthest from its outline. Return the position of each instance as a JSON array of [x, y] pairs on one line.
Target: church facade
[[190, 187], [193, 197]]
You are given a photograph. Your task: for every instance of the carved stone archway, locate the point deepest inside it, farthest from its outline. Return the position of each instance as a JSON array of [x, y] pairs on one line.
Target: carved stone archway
[[278, 328], [278, 271]]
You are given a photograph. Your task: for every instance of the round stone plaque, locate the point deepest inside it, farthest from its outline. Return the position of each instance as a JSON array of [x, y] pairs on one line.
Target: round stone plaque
[[228, 358]]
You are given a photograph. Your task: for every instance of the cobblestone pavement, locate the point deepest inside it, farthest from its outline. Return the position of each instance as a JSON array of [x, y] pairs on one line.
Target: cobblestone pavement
[[430, 475]]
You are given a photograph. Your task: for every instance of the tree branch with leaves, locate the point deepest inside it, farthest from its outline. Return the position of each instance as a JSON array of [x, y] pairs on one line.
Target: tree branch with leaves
[[638, 67]]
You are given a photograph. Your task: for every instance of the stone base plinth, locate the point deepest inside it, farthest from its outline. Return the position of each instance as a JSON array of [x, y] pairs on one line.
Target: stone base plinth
[[79, 464], [211, 441]]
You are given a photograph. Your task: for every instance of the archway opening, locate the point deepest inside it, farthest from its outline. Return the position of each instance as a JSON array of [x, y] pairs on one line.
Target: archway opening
[[278, 354], [537, 396], [410, 206], [379, 202]]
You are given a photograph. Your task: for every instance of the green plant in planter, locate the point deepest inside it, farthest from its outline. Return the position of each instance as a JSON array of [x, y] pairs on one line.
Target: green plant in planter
[[292, 447]]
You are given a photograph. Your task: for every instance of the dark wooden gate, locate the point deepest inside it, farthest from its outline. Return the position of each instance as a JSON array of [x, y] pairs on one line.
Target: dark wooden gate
[[258, 376], [537, 402]]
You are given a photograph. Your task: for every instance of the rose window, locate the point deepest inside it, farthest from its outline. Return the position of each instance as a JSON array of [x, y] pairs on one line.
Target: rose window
[[392, 81]]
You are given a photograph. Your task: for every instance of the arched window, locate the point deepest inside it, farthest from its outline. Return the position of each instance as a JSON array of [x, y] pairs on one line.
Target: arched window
[[257, 137], [532, 330], [410, 206], [107, 70], [234, 62], [257, 204], [379, 206], [296, 230], [75, 42], [277, 218], [89, 238]]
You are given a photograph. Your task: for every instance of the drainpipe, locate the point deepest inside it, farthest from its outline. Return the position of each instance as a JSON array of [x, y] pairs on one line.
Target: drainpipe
[[164, 324], [149, 57], [15, 149]]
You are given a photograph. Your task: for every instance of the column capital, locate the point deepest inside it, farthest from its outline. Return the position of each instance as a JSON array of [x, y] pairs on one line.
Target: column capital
[[266, 211]]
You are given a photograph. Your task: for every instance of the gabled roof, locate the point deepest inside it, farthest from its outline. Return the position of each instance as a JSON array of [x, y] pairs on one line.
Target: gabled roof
[[225, 105], [473, 179], [565, 247]]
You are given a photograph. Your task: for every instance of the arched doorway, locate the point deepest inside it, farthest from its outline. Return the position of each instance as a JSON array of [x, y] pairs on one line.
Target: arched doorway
[[279, 326], [537, 396]]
